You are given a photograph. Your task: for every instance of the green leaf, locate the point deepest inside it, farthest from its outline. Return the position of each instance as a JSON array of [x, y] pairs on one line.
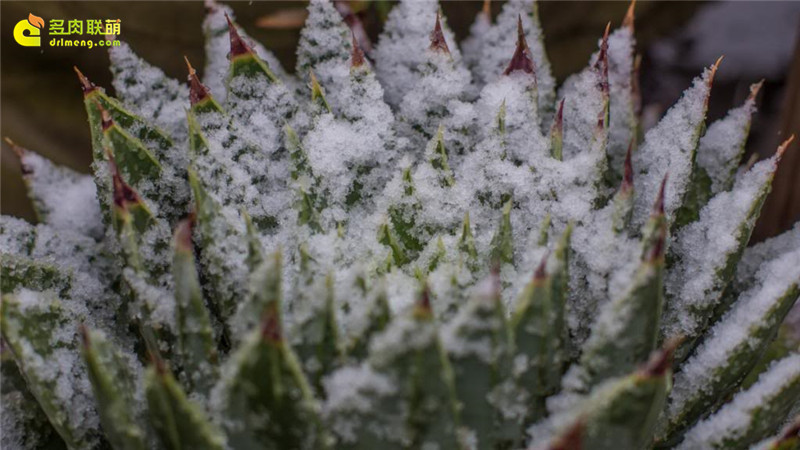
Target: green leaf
[[787, 439], [378, 318], [627, 329], [179, 423], [388, 238], [131, 219], [96, 100], [557, 134], [752, 414], [502, 245], [559, 274], [22, 272], [466, 245], [266, 400], [113, 388], [671, 147], [732, 348], [245, 62], [298, 155], [697, 280], [217, 238], [437, 155], [264, 291], [156, 93], [479, 348], [721, 148], [319, 104], [38, 329], [403, 219], [196, 345], [217, 45], [255, 253], [620, 413], [537, 339], [410, 354], [622, 212], [24, 421], [318, 345], [48, 184], [544, 230], [135, 162]]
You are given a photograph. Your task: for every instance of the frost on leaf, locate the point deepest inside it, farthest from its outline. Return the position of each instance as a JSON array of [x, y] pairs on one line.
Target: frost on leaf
[[217, 46], [62, 198], [500, 40], [733, 345], [399, 52], [697, 279], [752, 414], [148, 90], [671, 146]]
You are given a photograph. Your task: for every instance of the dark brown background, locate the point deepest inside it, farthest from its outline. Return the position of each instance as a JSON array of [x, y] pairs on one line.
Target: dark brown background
[[41, 107]]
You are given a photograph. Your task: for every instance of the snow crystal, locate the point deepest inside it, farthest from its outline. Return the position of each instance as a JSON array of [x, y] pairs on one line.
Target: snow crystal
[[753, 313], [215, 29], [400, 49], [622, 114], [498, 46], [736, 418], [720, 149], [65, 199], [149, 91], [353, 391], [324, 48], [669, 148], [436, 99], [694, 284]]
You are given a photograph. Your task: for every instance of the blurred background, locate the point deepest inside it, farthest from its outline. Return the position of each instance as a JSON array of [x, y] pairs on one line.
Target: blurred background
[[41, 106]]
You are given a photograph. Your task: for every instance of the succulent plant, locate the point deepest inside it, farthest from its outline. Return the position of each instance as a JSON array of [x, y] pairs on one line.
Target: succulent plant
[[426, 247]]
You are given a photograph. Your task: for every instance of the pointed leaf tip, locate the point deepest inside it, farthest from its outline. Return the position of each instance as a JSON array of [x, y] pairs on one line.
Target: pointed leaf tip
[[238, 45], [438, 43], [602, 62], [486, 10], [183, 234], [541, 270], [629, 16], [271, 325], [197, 90], [423, 308], [521, 60], [782, 148], [714, 70], [86, 85], [356, 55], [661, 360], [657, 250], [19, 151], [754, 89], [560, 115], [627, 177]]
